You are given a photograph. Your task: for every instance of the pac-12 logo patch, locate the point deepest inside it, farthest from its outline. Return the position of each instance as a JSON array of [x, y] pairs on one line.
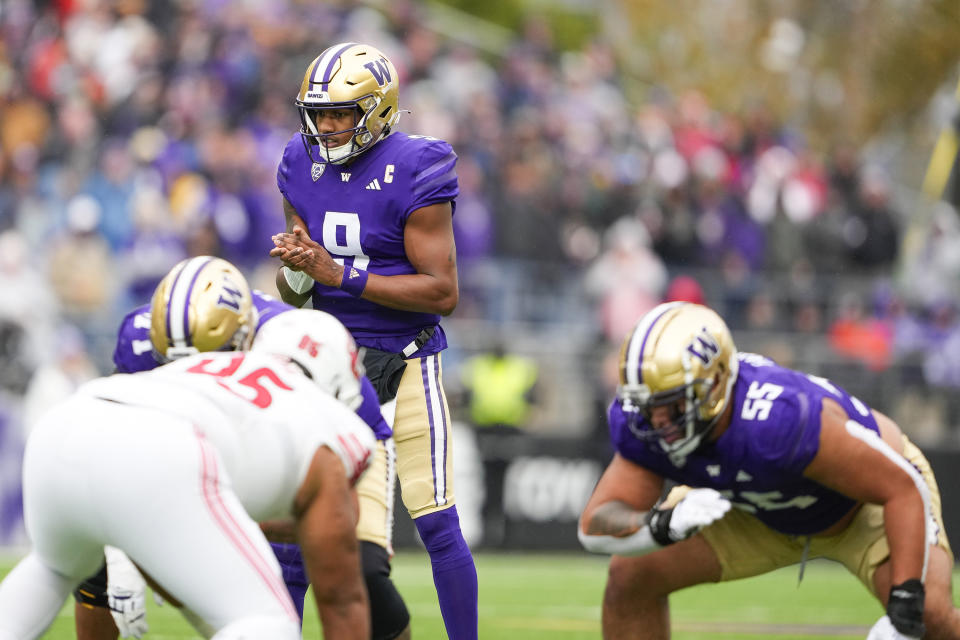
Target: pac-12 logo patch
[[317, 170]]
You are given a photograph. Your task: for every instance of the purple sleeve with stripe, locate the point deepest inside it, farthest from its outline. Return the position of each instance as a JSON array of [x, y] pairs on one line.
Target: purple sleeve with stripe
[[435, 177]]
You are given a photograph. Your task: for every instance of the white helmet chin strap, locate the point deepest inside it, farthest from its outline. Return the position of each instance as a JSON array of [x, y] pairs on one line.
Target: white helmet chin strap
[[337, 155]]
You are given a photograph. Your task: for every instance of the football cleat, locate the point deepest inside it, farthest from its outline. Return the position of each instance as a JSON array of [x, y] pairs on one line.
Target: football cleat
[[348, 76], [202, 304], [321, 346], [681, 356]]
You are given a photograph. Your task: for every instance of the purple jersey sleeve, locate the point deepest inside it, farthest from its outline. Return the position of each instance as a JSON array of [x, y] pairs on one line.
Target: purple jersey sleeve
[[268, 307], [358, 212], [435, 177], [134, 351], [758, 462]]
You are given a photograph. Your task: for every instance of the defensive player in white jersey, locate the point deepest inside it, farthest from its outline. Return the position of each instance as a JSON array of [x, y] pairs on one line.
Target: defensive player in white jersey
[[203, 304], [206, 447], [369, 238]]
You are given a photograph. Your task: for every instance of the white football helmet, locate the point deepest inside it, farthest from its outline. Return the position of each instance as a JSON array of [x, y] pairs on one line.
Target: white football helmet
[[321, 346]]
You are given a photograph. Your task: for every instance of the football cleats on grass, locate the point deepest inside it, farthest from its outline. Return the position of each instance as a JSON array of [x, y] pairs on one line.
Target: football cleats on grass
[[682, 356], [202, 304], [355, 77]]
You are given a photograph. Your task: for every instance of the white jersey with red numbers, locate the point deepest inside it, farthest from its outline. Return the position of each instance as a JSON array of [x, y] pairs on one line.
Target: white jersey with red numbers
[[175, 466], [263, 416]]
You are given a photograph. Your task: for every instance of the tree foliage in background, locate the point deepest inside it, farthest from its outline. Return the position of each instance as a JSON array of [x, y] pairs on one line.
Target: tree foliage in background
[[840, 69]]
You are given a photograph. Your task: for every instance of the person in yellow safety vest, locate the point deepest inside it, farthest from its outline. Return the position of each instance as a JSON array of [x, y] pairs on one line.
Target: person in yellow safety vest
[[500, 388]]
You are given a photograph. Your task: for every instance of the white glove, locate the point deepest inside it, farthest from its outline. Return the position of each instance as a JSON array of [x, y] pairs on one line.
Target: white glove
[[126, 594], [884, 630], [696, 510]]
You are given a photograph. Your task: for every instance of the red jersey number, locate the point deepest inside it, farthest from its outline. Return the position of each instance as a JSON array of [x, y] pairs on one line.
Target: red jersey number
[[253, 380]]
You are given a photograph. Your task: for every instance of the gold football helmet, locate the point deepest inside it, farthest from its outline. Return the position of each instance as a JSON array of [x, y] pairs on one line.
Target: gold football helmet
[[682, 356], [355, 77], [202, 304]]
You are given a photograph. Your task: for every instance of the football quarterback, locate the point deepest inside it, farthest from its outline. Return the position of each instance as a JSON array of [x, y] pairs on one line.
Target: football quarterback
[[369, 238]]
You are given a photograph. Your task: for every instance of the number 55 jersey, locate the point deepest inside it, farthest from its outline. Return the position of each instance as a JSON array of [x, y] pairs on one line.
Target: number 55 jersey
[[758, 461]]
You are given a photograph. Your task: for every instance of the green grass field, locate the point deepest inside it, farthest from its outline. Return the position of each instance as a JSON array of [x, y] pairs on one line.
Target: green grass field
[[557, 597]]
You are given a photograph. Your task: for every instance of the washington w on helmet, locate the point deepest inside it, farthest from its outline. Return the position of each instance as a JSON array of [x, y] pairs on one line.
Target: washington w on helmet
[[202, 304], [680, 357], [352, 78]]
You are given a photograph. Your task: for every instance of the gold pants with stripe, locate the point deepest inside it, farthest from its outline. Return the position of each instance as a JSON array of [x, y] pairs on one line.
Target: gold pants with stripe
[[419, 454]]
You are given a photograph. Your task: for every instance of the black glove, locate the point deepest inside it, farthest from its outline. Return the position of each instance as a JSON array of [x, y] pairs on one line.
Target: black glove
[[905, 608]]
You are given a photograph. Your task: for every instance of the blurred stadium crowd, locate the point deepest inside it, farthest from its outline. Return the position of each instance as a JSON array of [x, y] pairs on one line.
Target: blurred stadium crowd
[[136, 133]]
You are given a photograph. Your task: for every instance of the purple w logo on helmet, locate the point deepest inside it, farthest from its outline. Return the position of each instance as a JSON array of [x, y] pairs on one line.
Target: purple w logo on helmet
[[704, 346], [380, 71], [230, 297]]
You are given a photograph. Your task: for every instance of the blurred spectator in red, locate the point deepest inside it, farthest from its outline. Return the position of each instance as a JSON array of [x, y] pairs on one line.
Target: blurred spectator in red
[[858, 336], [684, 289]]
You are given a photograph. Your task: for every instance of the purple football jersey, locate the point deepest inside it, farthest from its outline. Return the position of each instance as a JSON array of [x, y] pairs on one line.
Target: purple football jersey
[[134, 351], [358, 212], [267, 307], [759, 460]]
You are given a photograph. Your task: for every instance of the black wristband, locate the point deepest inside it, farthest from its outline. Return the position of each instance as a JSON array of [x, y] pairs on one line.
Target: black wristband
[[905, 608], [659, 522]]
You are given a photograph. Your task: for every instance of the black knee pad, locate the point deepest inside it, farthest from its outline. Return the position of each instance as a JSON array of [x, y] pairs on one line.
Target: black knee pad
[[388, 613], [92, 592]]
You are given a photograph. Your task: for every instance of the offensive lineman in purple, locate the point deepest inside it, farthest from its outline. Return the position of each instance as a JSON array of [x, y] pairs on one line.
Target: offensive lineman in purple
[[761, 455], [774, 467]]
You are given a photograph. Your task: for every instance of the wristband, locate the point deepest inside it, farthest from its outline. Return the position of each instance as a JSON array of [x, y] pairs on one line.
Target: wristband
[[354, 281], [299, 281], [659, 522]]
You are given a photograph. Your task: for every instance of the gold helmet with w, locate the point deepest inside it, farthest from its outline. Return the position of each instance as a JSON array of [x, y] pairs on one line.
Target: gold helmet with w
[[682, 356], [202, 304], [355, 77]]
